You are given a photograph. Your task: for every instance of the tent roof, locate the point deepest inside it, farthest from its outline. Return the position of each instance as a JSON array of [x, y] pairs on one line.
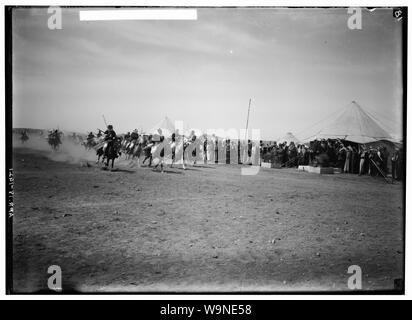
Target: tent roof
[[353, 124], [289, 137], [166, 125]]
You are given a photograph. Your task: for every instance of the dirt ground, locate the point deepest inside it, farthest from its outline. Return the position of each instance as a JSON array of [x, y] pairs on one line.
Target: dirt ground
[[204, 229]]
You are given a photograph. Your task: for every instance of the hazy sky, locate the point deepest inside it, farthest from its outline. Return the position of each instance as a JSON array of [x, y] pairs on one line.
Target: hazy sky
[[297, 65]]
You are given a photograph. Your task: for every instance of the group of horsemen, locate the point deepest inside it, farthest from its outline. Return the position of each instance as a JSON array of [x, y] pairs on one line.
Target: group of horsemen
[[133, 145]]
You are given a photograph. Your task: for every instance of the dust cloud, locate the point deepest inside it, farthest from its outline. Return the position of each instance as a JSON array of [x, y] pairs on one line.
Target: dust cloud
[[68, 151]]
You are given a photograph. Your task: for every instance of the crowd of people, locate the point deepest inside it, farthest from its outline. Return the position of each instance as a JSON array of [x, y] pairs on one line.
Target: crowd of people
[[348, 157]]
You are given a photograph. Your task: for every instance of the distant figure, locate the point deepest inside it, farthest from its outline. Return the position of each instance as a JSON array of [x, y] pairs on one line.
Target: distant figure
[[227, 151], [162, 151], [90, 136], [134, 135], [148, 151], [205, 150], [90, 142], [342, 157], [216, 150], [249, 152], [24, 136], [192, 139], [363, 155], [346, 168], [54, 139], [173, 146], [395, 165]]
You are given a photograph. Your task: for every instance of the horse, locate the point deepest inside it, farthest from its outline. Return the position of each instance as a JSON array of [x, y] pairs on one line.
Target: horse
[[24, 137], [54, 140], [90, 143], [128, 147], [99, 147], [112, 151], [137, 149]]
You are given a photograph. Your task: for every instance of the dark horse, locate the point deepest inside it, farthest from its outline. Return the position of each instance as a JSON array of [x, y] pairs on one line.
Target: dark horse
[[54, 139], [24, 137], [112, 151]]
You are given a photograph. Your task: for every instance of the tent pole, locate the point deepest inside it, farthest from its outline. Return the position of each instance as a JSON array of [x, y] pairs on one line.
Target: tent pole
[[247, 120], [104, 119], [381, 172]]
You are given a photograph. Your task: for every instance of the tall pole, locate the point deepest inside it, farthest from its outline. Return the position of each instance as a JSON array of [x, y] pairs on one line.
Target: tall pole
[[247, 121], [104, 119]]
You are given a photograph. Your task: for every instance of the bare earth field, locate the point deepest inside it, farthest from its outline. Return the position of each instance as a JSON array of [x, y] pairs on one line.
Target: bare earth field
[[204, 229]]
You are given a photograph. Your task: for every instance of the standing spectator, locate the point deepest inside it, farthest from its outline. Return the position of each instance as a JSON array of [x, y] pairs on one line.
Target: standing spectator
[[349, 152], [205, 149], [362, 157], [384, 157], [249, 152], [216, 150], [227, 151], [395, 164], [373, 162], [401, 165], [342, 157]]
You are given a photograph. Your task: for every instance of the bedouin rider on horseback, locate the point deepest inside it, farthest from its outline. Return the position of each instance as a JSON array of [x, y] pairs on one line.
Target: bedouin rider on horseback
[[110, 137], [90, 136], [132, 140], [90, 140], [24, 135], [134, 135]]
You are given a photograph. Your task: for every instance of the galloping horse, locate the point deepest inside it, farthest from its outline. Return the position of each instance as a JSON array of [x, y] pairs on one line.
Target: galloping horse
[[112, 151], [24, 137], [90, 143], [54, 139], [137, 149]]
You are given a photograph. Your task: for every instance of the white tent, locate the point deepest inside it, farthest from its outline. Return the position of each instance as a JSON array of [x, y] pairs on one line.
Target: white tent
[[353, 124], [288, 138], [166, 125]]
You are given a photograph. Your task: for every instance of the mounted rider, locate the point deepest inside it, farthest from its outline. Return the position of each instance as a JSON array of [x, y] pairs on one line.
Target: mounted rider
[[134, 135], [132, 141], [90, 140], [24, 134], [54, 138], [109, 138], [90, 136]]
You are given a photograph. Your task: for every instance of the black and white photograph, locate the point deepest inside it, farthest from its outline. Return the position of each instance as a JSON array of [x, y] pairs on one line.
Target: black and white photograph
[[214, 150]]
